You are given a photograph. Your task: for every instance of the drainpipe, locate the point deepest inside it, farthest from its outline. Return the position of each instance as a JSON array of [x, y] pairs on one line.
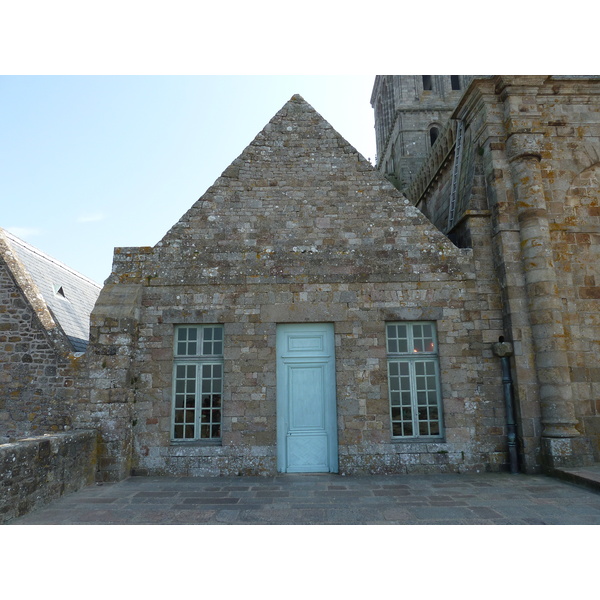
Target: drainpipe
[[504, 351]]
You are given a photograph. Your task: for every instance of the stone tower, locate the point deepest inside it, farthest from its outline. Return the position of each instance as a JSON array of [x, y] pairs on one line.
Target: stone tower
[[410, 113]]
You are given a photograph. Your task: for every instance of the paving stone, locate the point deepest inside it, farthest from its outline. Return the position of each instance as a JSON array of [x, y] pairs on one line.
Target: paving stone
[[484, 512], [295, 501]]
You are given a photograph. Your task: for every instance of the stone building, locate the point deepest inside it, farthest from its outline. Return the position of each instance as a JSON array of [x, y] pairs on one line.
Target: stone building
[[44, 325], [311, 313], [302, 316], [515, 175]]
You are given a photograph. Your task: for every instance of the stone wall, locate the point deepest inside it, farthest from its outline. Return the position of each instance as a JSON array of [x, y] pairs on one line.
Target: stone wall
[[570, 170], [472, 409], [37, 373], [37, 470], [110, 383], [533, 172]]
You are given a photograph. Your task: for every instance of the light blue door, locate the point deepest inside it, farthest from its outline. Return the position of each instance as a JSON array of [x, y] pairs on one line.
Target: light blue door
[[306, 406]]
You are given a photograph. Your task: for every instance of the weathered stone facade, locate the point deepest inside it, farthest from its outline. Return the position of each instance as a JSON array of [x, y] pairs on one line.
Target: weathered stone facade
[[501, 243], [38, 470], [411, 112], [38, 368], [527, 199], [299, 229]]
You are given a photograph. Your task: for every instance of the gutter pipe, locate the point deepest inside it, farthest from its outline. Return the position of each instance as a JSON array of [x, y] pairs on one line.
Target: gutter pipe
[[504, 351]]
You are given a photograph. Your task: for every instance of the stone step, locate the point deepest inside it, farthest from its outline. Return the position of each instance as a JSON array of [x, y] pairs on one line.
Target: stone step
[[588, 477]]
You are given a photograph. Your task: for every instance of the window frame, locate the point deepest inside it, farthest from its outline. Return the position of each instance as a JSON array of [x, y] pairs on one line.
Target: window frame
[[411, 358], [207, 395]]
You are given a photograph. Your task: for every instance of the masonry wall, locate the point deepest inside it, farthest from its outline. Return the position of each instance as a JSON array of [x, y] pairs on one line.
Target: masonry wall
[[36, 378], [570, 165], [553, 123], [36, 471], [550, 123], [472, 409]]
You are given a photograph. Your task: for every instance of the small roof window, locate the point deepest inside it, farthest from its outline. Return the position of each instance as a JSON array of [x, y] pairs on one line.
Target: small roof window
[[59, 291]]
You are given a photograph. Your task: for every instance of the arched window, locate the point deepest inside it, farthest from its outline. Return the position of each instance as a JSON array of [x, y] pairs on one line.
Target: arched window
[[434, 132], [455, 82], [426, 83]]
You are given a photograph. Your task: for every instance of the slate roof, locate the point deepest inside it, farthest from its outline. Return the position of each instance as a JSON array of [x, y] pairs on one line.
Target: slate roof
[[69, 296]]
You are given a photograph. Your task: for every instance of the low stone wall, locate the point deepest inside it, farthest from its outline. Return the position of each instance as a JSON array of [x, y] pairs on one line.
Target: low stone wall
[[34, 471]]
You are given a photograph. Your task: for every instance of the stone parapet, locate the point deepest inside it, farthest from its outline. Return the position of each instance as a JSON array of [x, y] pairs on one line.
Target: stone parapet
[[35, 471], [439, 155]]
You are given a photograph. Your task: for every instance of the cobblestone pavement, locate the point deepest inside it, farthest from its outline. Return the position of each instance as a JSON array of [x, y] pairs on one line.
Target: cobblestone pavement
[[477, 499]]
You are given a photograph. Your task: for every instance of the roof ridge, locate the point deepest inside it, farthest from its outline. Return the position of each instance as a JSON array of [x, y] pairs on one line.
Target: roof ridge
[[14, 239]]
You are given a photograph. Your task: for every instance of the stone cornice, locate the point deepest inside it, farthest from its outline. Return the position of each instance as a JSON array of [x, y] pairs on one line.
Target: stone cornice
[[480, 89]]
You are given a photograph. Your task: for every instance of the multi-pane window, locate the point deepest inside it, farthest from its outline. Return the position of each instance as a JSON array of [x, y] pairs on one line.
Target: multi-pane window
[[413, 380], [198, 382]]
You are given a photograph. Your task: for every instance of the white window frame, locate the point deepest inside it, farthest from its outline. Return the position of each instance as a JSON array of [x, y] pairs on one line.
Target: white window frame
[[197, 406], [414, 380]]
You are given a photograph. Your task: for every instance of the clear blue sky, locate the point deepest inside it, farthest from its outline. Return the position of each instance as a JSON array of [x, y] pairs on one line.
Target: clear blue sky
[[88, 163], [91, 162]]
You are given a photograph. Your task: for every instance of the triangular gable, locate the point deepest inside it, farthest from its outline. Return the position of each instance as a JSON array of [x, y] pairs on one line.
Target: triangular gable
[[299, 201]]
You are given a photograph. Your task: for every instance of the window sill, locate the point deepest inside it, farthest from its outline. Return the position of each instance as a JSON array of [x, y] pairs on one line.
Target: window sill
[[419, 440], [196, 443]]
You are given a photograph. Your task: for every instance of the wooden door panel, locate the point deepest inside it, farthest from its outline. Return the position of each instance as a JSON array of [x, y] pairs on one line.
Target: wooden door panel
[[306, 401]]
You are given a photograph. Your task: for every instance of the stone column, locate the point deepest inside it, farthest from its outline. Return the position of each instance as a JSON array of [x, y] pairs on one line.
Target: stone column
[[545, 306], [562, 444]]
